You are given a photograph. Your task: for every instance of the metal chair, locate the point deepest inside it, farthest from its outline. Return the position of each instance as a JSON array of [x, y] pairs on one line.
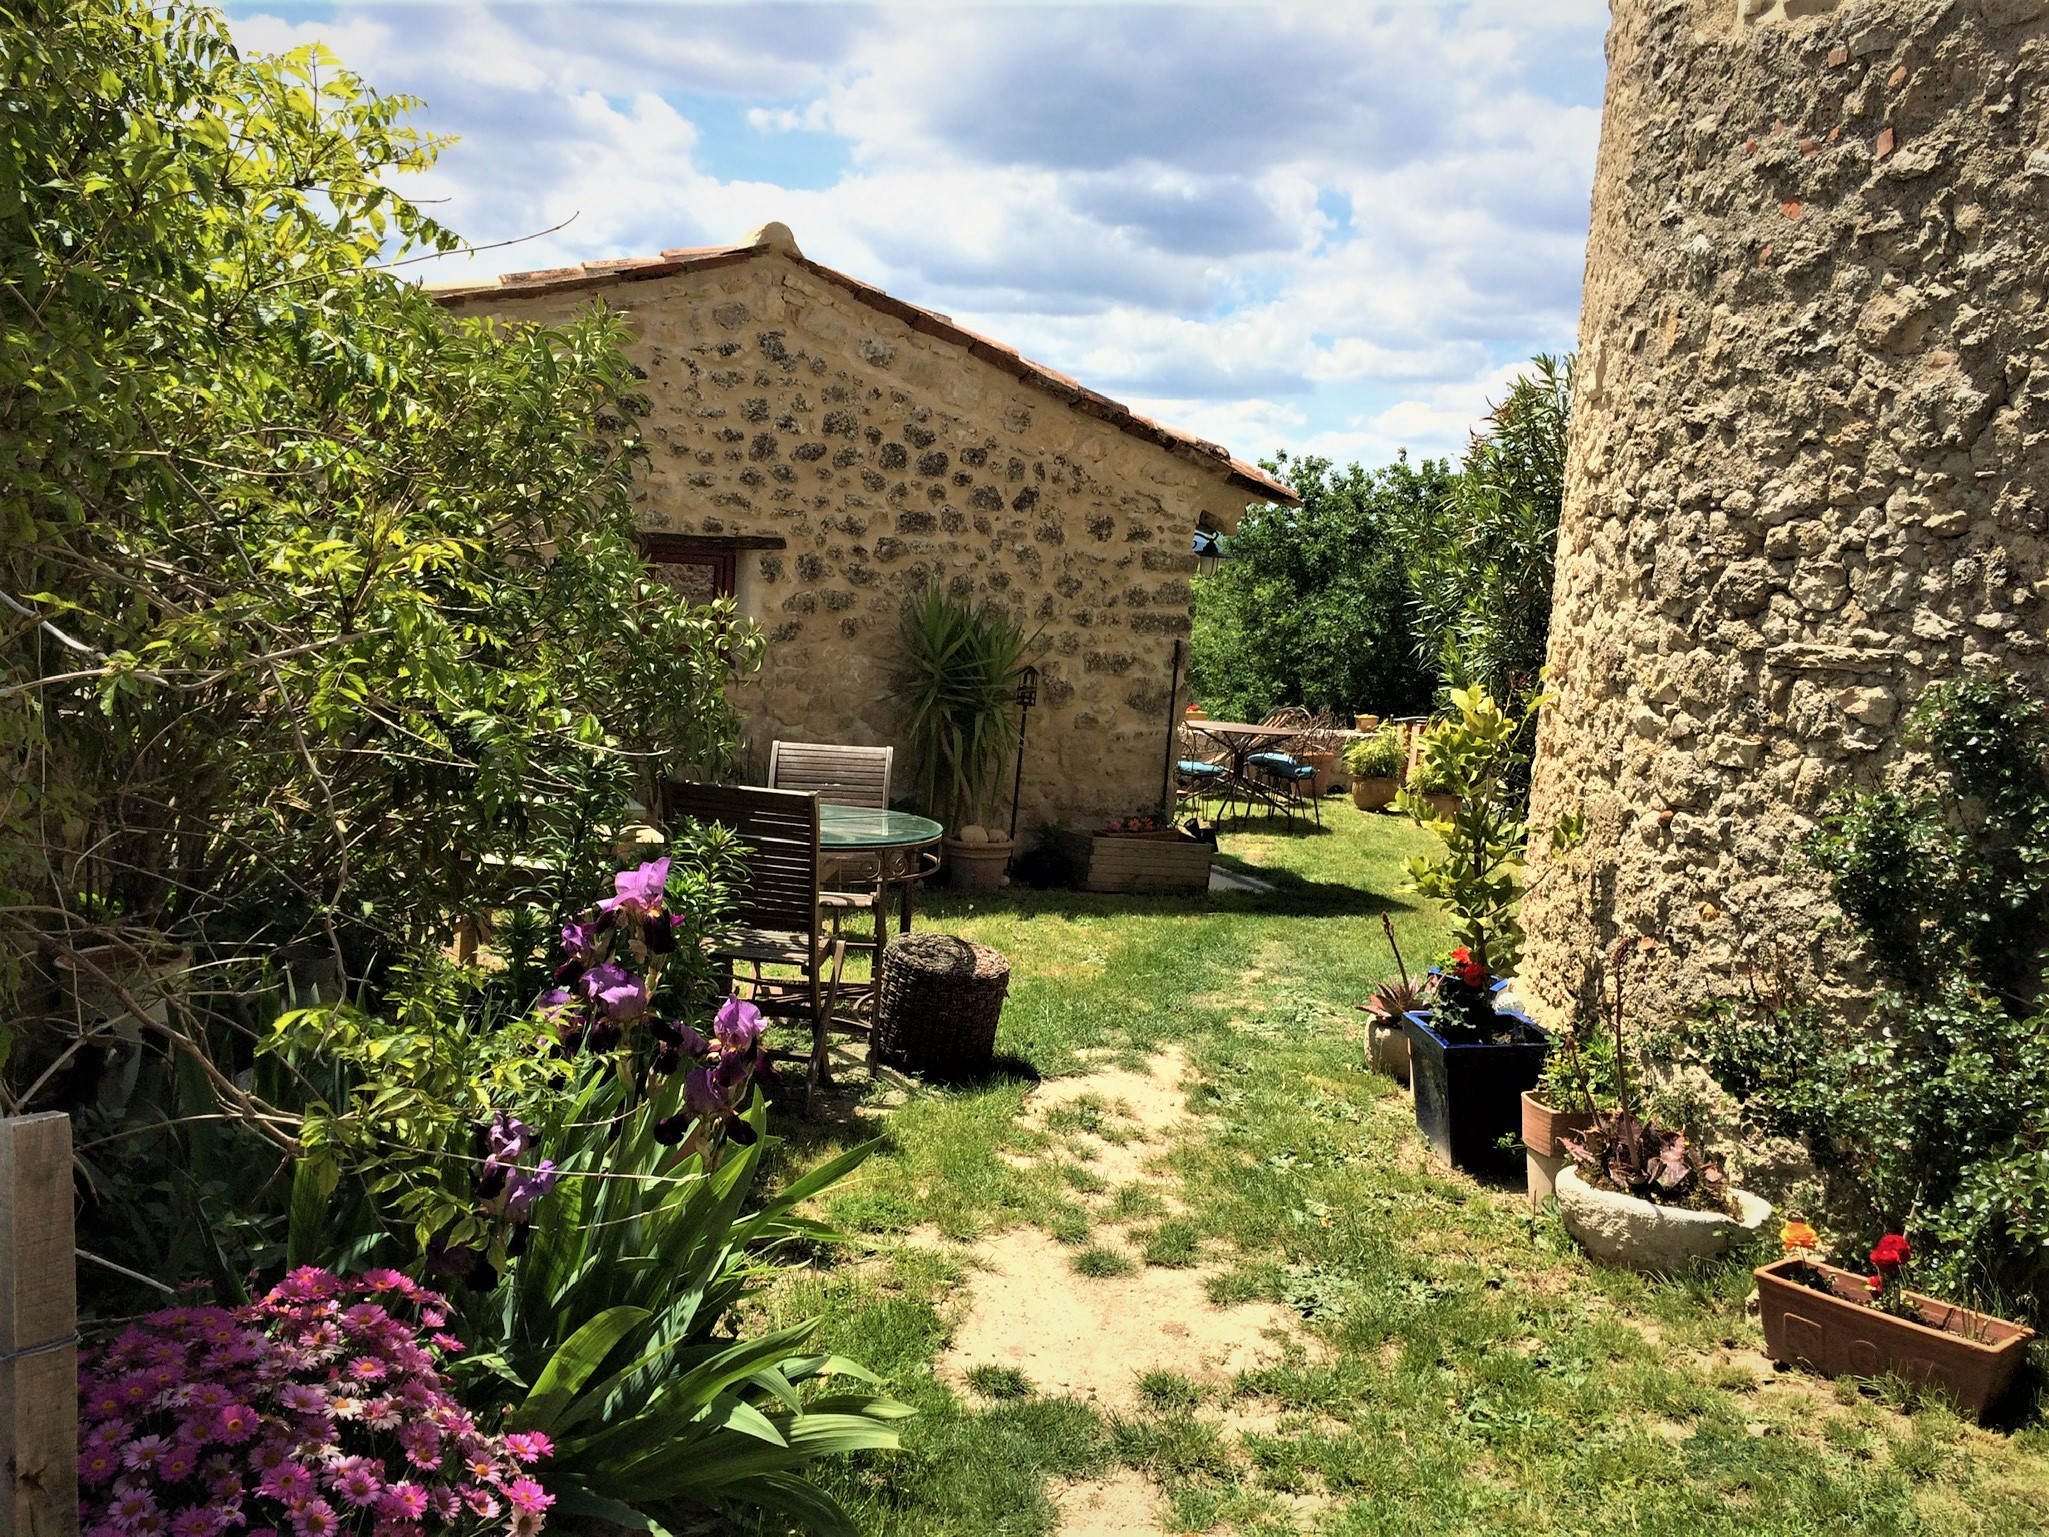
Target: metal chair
[[777, 920], [1198, 778], [1292, 780]]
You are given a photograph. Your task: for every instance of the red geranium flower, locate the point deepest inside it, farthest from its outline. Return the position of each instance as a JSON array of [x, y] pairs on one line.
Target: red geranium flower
[[1892, 1252], [1468, 970]]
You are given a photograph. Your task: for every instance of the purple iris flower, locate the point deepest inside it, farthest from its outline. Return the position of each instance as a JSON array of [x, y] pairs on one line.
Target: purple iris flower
[[701, 1093], [638, 893], [507, 1137], [616, 991], [580, 948], [738, 1024], [527, 1186], [658, 934]]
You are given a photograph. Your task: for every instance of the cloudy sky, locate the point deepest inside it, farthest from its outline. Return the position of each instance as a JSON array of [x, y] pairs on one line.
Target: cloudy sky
[[1332, 228]]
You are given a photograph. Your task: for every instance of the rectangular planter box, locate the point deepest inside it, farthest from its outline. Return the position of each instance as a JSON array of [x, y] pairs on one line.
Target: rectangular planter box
[[1972, 1357], [1469, 1098], [1148, 863]]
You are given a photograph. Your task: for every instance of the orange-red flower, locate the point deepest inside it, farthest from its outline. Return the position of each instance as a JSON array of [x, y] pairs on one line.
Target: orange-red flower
[[1798, 1235]]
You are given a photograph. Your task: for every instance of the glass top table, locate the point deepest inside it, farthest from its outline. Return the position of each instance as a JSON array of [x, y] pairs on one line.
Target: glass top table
[[848, 828]]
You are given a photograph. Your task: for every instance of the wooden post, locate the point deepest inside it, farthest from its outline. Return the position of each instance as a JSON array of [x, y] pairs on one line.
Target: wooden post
[[38, 1330]]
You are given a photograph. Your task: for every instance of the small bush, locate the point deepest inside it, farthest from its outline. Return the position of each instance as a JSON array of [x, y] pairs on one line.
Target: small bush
[[1379, 756]]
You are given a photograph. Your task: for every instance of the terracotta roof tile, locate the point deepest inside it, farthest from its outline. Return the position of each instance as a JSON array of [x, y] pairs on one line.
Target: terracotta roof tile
[[601, 274]]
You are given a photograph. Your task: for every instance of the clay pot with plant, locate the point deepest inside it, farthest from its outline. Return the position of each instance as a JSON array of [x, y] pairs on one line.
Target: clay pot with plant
[[1375, 763], [1642, 1196], [1840, 1323], [1387, 1010], [956, 681]]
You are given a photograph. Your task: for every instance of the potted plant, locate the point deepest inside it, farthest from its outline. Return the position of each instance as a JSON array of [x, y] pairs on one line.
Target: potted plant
[[1376, 764], [957, 671], [1427, 785], [1643, 1196], [1577, 1076], [1840, 1323], [1469, 1063], [1388, 1009]]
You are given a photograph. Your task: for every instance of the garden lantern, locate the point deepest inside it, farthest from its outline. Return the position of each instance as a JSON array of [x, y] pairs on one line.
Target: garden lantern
[[1027, 696], [1209, 552]]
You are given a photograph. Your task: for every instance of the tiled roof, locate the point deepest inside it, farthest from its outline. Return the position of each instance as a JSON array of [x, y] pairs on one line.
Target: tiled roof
[[635, 269]]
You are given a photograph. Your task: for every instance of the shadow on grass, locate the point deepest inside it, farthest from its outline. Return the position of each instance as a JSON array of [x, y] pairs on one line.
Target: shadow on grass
[[1291, 897]]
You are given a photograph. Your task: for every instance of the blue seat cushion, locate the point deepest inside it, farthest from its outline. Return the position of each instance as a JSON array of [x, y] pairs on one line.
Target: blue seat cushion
[[1280, 762], [1196, 769]]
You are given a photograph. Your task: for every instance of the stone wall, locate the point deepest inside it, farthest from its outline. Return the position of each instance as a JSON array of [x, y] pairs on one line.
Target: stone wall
[[1809, 468], [886, 458]]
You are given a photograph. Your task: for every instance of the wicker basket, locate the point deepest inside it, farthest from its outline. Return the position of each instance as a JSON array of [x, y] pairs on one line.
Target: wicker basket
[[937, 1005]]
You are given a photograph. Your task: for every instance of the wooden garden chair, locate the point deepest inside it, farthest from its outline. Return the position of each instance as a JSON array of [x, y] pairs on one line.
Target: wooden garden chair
[[843, 775], [778, 922]]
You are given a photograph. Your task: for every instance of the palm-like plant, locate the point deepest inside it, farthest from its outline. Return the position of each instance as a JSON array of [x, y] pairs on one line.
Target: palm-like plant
[[957, 669], [606, 1330]]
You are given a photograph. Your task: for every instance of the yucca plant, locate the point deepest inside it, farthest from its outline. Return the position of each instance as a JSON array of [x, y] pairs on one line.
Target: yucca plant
[[605, 1336], [957, 670]]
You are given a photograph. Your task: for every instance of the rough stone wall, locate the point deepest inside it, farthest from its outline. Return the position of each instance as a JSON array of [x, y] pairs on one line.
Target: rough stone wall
[[887, 458], [1809, 467]]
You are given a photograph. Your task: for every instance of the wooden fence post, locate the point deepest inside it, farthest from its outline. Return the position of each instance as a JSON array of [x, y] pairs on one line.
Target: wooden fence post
[[38, 1330]]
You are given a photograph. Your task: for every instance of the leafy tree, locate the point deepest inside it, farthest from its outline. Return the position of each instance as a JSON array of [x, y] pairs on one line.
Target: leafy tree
[[318, 602], [1482, 559], [1313, 605]]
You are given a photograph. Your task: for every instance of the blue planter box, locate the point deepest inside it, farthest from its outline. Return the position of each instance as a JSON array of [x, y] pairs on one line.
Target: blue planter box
[[1468, 1097]]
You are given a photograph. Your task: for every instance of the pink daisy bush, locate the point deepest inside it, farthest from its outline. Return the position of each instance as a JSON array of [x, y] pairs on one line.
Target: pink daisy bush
[[318, 1411]]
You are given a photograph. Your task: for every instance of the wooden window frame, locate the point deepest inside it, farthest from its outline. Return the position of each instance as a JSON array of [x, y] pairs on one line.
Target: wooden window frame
[[720, 552]]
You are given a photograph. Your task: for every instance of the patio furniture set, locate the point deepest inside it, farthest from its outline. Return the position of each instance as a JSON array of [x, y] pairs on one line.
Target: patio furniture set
[[825, 853], [1238, 763]]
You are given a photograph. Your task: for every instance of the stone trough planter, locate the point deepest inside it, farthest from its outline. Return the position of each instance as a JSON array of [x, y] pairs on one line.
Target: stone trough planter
[[1617, 1229]]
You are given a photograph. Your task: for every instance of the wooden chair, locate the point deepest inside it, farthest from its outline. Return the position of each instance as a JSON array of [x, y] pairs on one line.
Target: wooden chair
[[778, 920], [845, 775], [842, 774]]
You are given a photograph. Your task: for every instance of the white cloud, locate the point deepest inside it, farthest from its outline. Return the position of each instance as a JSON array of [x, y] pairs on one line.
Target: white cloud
[[1331, 229]]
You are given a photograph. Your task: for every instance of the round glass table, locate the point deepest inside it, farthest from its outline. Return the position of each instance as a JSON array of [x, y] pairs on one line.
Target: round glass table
[[882, 849]]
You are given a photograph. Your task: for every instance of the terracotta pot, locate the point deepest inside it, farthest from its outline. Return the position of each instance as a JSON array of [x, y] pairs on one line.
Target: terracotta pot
[[1327, 771], [1387, 1049], [1444, 806], [976, 866], [1543, 1126], [1618, 1229], [1374, 794], [1972, 1357]]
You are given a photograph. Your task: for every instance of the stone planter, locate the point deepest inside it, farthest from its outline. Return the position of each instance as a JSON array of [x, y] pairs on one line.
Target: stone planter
[[976, 866], [1366, 722], [1617, 1229], [1330, 772], [1374, 794], [1469, 1096], [1543, 1155], [1387, 1050], [1971, 1357]]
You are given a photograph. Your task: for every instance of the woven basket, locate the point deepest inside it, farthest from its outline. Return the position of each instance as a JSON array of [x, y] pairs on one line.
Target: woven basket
[[937, 1005]]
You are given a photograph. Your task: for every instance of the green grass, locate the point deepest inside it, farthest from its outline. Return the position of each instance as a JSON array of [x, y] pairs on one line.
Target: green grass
[[1100, 1262], [1467, 1370], [999, 1382]]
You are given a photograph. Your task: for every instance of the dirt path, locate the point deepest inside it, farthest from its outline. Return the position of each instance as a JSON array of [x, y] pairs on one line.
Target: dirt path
[[1026, 1308]]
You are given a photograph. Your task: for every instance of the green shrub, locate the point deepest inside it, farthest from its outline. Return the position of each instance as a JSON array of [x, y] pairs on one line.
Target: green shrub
[[1379, 756], [1478, 877], [1931, 1116]]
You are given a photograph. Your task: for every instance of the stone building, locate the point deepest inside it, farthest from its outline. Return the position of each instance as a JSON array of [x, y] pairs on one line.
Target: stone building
[[1809, 465], [822, 451]]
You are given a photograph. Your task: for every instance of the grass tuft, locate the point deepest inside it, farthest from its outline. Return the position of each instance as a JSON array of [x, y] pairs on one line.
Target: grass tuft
[[1103, 1263]]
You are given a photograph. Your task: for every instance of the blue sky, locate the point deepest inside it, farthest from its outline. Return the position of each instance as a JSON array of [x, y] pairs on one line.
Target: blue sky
[[1331, 228]]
